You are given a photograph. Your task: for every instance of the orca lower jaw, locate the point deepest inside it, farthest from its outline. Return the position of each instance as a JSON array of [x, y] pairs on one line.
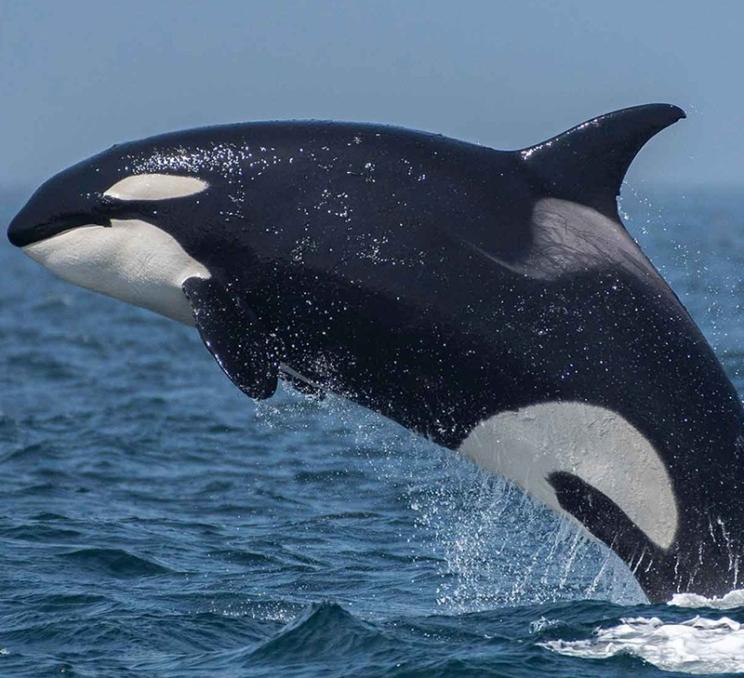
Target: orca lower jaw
[[23, 232]]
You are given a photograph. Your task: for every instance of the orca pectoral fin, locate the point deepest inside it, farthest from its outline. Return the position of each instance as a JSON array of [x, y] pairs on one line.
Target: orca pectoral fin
[[234, 336]]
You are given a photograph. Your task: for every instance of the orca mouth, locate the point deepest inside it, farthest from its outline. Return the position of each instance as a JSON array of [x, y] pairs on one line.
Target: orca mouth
[[23, 232]]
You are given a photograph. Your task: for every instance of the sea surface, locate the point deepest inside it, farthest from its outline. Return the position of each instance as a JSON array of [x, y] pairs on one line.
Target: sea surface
[[156, 522]]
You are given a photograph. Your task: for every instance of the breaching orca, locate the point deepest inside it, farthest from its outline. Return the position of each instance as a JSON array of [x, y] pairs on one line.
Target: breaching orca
[[490, 300]]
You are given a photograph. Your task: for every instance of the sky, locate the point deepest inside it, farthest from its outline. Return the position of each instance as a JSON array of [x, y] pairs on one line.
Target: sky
[[76, 77]]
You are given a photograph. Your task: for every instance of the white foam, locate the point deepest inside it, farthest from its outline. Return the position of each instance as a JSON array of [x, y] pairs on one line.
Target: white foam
[[729, 601], [540, 625], [699, 646]]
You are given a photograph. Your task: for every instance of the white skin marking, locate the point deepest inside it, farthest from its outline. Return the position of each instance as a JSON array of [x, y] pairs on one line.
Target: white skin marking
[[597, 445], [155, 187], [133, 260]]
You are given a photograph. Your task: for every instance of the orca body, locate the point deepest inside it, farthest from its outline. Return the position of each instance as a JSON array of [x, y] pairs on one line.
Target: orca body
[[489, 300]]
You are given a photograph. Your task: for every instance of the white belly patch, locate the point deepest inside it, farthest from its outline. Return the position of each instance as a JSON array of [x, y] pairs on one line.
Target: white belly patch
[[595, 444], [132, 260]]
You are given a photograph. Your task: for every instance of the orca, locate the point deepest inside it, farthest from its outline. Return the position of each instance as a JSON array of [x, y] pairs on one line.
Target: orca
[[490, 300]]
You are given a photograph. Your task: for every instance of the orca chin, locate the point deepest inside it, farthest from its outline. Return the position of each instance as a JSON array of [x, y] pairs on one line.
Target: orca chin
[[150, 276], [490, 300]]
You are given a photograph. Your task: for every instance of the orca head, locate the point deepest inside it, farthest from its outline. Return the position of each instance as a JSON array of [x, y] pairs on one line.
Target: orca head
[[118, 224]]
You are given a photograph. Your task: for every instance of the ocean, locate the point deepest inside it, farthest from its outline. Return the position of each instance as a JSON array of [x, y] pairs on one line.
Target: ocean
[[156, 522]]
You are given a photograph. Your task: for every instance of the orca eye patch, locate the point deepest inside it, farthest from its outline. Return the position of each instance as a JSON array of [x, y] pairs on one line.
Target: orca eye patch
[[146, 187]]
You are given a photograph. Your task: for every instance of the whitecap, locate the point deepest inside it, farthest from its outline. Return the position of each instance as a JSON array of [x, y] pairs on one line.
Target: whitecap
[[729, 601], [699, 645], [540, 625]]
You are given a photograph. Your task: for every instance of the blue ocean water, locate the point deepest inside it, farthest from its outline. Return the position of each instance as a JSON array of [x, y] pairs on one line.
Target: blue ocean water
[[156, 522]]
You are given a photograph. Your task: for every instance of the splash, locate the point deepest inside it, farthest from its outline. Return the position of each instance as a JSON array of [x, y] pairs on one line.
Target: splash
[[697, 646], [502, 548], [495, 546], [729, 601]]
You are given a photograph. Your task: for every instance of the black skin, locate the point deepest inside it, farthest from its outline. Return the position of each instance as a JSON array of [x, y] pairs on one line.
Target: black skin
[[409, 273]]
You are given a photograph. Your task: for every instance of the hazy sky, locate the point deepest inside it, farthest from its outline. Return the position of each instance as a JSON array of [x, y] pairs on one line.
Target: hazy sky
[[76, 77]]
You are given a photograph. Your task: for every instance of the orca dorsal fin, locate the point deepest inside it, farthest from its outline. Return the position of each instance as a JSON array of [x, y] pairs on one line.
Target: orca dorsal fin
[[587, 163]]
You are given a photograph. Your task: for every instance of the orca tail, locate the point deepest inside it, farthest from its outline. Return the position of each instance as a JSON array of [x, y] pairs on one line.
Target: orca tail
[[587, 163]]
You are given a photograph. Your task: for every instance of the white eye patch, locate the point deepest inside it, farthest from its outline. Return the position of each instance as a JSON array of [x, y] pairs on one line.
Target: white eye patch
[[155, 187]]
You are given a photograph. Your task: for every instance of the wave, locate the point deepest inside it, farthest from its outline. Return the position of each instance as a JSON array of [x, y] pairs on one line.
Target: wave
[[730, 601], [696, 646], [116, 562], [325, 632]]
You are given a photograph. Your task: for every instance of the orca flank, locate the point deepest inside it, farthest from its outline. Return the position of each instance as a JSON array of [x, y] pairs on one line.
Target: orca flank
[[490, 300]]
